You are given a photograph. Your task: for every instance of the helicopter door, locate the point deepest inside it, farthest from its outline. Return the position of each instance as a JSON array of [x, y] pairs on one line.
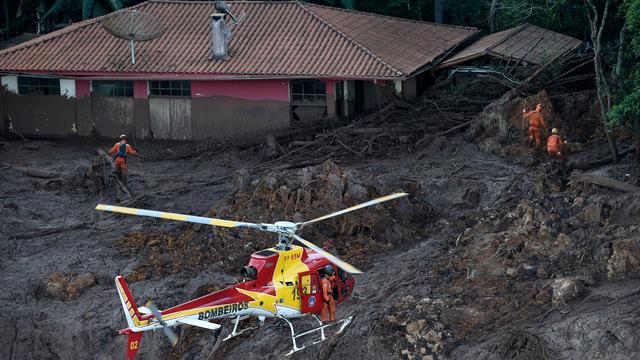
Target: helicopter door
[[310, 292], [345, 284]]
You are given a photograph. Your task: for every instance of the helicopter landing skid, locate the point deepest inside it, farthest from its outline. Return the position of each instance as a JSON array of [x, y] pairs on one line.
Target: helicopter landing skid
[[343, 325], [235, 331]]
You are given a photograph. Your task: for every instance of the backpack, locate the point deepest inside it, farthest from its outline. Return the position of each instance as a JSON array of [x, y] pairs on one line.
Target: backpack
[[122, 151]]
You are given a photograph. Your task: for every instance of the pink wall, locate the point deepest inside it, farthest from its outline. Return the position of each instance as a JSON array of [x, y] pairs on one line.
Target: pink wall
[[140, 89], [329, 86], [242, 89], [83, 88]]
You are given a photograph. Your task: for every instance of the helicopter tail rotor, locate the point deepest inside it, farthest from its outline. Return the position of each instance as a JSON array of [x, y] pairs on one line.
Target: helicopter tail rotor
[[171, 335]]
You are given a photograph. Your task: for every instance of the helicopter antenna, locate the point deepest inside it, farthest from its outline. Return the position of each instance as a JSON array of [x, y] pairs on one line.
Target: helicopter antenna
[[132, 25]]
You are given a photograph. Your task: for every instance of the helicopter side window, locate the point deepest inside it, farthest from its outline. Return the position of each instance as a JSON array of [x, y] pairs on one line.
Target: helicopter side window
[[342, 274]]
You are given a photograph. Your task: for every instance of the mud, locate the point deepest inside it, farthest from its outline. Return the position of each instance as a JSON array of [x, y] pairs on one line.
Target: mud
[[492, 256]]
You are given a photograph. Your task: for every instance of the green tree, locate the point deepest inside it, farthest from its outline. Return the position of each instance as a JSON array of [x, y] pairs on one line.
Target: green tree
[[89, 8], [626, 112]]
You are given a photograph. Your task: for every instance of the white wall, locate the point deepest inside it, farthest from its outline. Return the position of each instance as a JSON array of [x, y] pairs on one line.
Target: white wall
[[68, 88], [11, 83]]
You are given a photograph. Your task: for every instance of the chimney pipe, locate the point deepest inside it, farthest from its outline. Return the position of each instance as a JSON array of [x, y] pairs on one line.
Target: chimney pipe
[[219, 35]]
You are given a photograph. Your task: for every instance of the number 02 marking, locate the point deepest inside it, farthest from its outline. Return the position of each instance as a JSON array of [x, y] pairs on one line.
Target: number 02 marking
[[133, 345]]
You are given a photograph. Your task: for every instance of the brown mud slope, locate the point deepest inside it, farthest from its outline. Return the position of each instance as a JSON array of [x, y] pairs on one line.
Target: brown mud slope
[[492, 256]]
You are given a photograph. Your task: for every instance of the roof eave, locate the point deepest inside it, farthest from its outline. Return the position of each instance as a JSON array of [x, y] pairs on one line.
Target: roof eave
[[186, 76]]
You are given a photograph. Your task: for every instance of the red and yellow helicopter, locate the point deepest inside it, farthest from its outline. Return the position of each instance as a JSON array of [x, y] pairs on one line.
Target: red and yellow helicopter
[[282, 282]]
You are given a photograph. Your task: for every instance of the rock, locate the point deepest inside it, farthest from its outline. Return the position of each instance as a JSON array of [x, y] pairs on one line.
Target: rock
[[527, 271], [55, 285], [427, 357], [411, 339], [566, 289], [405, 352], [433, 336], [625, 259], [423, 350], [391, 319], [413, 328], [563, 241], [89, 315], [80, 283], [592, 214], [512, 273]]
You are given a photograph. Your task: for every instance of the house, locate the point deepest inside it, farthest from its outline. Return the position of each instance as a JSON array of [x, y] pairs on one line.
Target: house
[[288, 64], [525, 45]]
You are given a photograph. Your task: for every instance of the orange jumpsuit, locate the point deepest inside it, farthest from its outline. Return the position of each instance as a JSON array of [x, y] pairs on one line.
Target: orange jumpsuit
[[120, 161], [328, 312], [536, 121], [554, 146]]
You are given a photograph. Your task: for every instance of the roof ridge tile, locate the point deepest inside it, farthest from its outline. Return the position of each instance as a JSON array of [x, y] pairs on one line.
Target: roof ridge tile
[[391, 17], [349, 38]]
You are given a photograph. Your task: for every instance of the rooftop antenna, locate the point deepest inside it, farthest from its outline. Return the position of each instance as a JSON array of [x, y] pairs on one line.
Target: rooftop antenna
[[133, 25]]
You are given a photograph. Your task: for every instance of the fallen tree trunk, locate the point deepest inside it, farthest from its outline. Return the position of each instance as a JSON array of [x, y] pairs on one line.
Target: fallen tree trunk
[[606, 182], [600, 162], [50, 231], [456, 128], [38, 173]]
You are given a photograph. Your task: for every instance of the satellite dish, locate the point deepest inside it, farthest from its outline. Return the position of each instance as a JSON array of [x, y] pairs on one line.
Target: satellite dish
[[134, 26]]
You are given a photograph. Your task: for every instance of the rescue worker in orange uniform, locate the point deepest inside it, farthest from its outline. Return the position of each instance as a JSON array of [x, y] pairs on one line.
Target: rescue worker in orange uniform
[[555, 145], [536, 121], [328, 312], [120, 151]]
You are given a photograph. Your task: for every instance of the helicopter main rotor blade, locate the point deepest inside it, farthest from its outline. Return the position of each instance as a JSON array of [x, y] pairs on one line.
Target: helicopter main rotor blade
[[356, 207], [334, 259], [174, 216]]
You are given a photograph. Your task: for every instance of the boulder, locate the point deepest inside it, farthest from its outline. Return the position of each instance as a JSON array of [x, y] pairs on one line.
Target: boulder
[[80, 283], [566, 289], [625, 259], [413, 328]]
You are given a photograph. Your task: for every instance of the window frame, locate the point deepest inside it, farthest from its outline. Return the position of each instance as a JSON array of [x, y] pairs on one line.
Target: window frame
[[169, 88], [33, 85], [308, 92], [121, 88]]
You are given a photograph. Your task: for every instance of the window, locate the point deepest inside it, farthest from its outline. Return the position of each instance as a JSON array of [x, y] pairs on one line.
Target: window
[[38, 86], [308, 92], [112, 88], [170, 88]]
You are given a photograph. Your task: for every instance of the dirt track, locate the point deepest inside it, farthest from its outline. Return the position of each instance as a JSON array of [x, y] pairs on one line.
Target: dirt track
[[448, 262]]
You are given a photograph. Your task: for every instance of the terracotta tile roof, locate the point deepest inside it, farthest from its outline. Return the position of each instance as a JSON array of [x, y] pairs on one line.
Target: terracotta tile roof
[[276, 39], [407, 45], [528, 42]]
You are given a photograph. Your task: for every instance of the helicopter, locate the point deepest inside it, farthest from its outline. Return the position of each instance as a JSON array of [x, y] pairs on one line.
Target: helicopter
[[282, 282]]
